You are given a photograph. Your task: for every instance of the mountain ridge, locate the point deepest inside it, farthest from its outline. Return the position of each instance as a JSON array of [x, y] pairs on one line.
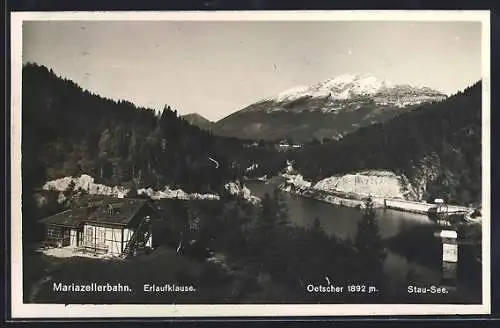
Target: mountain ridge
[[348, 86], [327, 109], [198, 120]]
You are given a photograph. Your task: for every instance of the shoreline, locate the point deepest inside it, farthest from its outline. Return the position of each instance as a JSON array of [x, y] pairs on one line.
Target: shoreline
[[327, 198], [378, 202]]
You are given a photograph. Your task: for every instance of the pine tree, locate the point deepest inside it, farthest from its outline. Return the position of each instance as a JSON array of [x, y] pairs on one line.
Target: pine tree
[[281, 208], [105, 143], [267, 220], [370, 245], [133, 192], [70, 191]]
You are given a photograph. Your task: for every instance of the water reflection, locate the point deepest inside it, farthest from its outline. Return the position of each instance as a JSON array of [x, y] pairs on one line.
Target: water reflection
[[343, 222], [413, 254]]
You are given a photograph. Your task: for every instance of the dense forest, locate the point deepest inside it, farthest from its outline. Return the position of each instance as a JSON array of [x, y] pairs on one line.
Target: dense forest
[[68, 131], [438, 145]]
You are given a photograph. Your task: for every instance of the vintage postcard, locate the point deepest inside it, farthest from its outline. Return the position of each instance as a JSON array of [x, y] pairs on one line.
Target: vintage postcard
[[241, 164]]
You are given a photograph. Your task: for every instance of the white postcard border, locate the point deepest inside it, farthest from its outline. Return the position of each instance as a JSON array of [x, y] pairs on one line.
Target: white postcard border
[[22, 310]]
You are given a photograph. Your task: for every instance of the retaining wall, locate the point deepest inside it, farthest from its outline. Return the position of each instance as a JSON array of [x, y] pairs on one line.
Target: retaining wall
[[416, 207]]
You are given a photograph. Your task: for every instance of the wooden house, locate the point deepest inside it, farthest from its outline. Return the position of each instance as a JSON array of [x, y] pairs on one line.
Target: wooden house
[[116, 226]]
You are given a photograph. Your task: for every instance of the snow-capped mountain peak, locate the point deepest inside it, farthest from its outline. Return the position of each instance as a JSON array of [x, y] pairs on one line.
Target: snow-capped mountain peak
[[356, 83], [331, 108], [292, 91], [361, 80], [349, 86]]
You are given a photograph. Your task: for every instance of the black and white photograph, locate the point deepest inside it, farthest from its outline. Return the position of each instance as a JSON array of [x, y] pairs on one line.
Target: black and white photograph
[[236, 164]]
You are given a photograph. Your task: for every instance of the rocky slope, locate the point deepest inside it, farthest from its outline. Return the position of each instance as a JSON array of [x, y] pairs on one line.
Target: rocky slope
[[329, 109], [86, 183], [383, 184]]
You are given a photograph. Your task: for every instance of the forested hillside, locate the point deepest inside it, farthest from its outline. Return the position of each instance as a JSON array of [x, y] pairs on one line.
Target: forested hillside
[[437, 147], [68, 131]]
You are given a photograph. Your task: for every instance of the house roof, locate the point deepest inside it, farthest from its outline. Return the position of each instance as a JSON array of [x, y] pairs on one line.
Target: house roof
[[116, 211], [119, 211], [70, 218]]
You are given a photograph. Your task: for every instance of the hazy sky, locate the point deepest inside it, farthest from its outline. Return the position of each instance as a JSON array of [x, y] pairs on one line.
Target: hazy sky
[[216, 68]]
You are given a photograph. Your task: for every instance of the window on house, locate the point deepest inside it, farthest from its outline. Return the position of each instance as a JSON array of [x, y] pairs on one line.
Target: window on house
[[53, 233], [89, 235], [101, 235]]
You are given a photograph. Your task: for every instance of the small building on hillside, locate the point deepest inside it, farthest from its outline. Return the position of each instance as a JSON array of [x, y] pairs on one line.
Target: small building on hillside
[[440, 209], [116, 226], [286, 146]]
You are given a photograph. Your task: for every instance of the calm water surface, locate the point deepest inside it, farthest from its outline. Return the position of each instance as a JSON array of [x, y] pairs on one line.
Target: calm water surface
[[342, 222]]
